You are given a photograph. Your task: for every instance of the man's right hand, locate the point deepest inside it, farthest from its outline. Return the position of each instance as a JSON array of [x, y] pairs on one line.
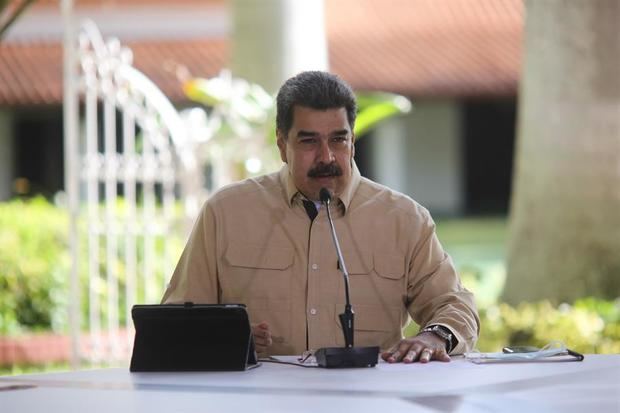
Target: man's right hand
[[262, 337]]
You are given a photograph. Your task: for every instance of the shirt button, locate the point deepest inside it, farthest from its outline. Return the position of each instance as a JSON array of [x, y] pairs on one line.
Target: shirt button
[[313, 311], [315, 266]]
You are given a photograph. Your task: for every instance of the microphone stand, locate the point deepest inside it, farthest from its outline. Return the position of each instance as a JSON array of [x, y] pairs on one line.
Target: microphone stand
[[349, 356], [347, 318]]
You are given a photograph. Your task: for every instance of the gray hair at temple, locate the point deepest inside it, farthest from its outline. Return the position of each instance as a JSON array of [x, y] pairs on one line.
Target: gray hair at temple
[[315, 90]]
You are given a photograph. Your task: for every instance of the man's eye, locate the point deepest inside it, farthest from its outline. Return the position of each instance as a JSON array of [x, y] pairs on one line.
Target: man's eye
[[339, 139], [308, 141]]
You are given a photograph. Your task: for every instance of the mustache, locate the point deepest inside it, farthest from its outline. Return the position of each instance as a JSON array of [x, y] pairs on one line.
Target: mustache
[[331, 169]]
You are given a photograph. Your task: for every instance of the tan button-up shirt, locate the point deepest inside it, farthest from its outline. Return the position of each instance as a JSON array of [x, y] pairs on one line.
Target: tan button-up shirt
[[254, 243]]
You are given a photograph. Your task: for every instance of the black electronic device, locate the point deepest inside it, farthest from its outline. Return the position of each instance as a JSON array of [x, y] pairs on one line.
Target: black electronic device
[[192, 337], [347, 356]]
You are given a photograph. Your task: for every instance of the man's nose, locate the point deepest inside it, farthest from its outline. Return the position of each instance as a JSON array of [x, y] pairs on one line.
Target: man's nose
[[325, 155]]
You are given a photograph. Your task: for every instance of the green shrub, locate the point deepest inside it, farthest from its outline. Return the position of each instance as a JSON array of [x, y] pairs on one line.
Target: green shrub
[[588, 326], [33, 266]]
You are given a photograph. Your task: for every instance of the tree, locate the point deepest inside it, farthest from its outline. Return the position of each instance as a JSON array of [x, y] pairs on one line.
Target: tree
[[565, 211]]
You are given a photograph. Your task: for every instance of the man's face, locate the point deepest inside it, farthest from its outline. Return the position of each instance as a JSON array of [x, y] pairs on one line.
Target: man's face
[[318, 150]]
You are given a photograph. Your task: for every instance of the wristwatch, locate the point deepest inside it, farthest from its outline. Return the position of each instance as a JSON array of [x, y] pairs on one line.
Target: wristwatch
[[441, 332]]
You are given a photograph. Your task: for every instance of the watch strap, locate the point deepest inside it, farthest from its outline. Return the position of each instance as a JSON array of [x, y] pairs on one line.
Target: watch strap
[[443, 333]]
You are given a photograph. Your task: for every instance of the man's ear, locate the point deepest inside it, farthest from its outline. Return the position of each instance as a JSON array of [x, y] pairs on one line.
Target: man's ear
[[352, 145], [281, 140]]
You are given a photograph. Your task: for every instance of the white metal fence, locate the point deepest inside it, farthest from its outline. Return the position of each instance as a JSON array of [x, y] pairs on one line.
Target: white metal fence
[[133, 186]]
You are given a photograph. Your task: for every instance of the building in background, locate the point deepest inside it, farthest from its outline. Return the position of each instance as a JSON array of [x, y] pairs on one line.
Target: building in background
[[457, 60]]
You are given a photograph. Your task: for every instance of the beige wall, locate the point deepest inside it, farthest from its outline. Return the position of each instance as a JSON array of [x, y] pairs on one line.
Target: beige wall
[[420, 154]]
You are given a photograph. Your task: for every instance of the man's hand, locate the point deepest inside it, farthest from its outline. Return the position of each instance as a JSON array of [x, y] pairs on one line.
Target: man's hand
[[423, 348], [262, 337]]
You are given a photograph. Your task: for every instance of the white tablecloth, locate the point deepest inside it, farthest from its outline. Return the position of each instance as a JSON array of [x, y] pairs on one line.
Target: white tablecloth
[[459, 386]]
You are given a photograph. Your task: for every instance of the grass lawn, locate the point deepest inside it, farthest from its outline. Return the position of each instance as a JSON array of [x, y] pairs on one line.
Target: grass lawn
[[478, 248]]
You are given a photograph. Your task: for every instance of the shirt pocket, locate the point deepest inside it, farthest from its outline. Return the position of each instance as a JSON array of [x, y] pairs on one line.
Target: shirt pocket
[[389, 266], [260, 277], [374, 325], [250, 271], [358, 263], [376, 278]]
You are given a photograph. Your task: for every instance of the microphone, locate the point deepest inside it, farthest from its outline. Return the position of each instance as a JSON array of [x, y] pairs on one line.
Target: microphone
[[349, 356]]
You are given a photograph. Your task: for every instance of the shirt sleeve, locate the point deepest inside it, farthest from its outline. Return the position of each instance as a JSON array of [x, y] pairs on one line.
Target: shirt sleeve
[[195, 276], [435, 294]]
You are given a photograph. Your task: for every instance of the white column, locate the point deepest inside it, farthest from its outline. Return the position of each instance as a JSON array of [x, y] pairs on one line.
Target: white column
[[273, 40], [70, 120]]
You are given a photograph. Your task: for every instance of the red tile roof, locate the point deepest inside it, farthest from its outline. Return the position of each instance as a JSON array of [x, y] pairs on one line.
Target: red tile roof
[[122, 3], [421, 48], [158, 60], [31, 73], [427, 47]]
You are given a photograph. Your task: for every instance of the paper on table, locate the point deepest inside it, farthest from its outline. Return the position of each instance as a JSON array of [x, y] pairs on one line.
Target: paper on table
[[554, 351]]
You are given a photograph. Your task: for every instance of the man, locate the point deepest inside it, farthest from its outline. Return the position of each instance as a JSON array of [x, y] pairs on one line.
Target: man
[[265, 242]]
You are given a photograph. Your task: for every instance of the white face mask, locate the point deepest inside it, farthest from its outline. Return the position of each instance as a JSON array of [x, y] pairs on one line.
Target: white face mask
[[554, 348]]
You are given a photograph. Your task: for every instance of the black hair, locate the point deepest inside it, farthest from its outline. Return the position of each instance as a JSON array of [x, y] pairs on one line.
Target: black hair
[[315, 90]]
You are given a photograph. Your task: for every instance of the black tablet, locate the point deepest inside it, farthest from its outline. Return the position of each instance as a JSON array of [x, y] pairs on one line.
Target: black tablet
[[192, 337]]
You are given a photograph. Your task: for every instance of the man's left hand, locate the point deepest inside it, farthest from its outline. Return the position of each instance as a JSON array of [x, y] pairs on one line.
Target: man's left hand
[[423, 348]]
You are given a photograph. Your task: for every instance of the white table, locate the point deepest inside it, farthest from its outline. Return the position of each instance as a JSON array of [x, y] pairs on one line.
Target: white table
[[459, 386]]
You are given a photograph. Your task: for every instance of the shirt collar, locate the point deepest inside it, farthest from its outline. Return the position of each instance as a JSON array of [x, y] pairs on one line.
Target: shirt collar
[[292, 193]]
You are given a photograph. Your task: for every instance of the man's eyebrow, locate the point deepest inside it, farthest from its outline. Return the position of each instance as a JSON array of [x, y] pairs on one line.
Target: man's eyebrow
[[306, 133], [340, 132]]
